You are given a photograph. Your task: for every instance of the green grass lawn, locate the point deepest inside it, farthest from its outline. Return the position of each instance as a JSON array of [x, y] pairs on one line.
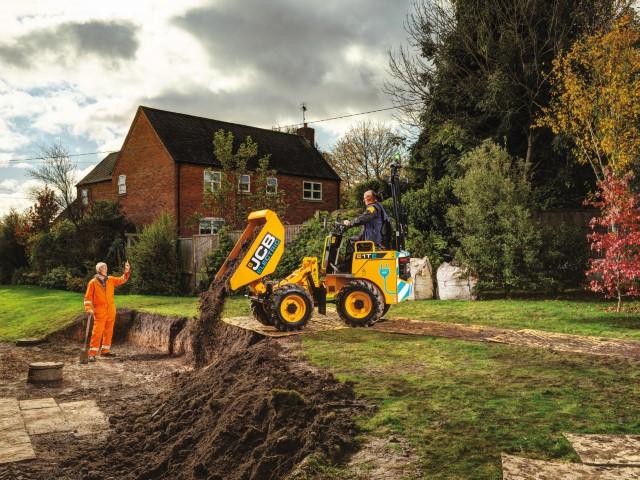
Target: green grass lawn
[[575, 316], [34, 312], [460, 404]]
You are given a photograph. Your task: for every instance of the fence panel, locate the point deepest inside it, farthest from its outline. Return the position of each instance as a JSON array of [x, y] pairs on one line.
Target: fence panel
[[185, 255]]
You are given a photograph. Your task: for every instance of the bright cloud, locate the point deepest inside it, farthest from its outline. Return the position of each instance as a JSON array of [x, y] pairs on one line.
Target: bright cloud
[[75, 71]]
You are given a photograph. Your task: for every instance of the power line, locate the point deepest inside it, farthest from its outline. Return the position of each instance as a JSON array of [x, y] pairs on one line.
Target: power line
[[40, 158], [352, 115]]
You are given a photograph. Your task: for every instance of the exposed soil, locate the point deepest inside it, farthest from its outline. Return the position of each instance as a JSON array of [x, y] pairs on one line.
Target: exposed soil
[[251, 414], [610, 347], [211, 306]]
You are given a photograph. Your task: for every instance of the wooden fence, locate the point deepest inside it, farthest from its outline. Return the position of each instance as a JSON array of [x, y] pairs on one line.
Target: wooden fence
[[193, 251]]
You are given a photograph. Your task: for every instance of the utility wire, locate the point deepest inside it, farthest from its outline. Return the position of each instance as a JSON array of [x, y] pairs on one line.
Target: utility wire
[[40, 158]]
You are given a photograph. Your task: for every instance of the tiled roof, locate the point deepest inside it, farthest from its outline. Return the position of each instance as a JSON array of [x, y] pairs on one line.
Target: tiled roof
[[102, 171], [189, 139]]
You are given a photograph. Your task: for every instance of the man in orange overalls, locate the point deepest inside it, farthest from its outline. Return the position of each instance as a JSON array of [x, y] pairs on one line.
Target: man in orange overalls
[[99, 302]]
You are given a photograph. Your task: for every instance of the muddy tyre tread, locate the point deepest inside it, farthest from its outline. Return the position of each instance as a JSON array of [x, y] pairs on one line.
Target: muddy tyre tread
[[378, 308], [260, 313]]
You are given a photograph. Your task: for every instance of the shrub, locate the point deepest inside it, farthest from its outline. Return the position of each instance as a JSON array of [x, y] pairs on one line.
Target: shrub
[[308, 243], [498, 239], [12, 252], [76, 284], [56, 278], [429, 232], [215, 259], [382, 189], [564, 257], [154, 259], [24, 276]]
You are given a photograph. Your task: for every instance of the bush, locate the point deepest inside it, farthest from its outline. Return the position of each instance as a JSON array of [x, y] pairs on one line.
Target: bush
[[565, 257], [429, 232], [12, 252], [498, 238], [154, 259], [76, 284], [215, 259], [308, 243], [24, 276], [382, 189], [56, 278]]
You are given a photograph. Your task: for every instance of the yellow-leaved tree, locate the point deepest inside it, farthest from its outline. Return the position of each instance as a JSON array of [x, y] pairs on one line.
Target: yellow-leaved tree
[[596, 97]]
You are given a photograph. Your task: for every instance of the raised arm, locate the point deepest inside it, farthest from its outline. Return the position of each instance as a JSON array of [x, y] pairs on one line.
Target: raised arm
[[117, 281]]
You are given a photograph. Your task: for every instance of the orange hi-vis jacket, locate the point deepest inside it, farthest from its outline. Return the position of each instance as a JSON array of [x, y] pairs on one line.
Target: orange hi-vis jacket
[[101, 299]]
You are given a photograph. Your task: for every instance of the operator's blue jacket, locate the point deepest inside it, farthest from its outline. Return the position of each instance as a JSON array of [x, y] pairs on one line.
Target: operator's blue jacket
[[372, 220]]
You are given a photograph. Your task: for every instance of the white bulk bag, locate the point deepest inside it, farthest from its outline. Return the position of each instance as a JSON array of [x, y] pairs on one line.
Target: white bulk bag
[[454, 283]]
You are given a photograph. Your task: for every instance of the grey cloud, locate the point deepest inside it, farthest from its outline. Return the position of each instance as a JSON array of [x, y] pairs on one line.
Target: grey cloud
[[296, 49], [108, 40]]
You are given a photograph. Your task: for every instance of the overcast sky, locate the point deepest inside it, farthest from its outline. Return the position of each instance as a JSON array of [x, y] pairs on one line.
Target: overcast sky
[[75, 71]]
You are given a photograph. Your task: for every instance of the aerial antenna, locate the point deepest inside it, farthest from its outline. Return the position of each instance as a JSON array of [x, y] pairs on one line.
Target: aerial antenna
[[303, 107]]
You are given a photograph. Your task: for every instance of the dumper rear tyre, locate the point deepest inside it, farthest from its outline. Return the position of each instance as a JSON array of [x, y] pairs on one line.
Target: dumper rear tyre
[[259, 312], [360, 304], [291, 308]]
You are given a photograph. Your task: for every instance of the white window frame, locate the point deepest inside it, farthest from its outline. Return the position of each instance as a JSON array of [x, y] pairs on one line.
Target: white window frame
[[247, 183], [214, 223], [122, 184], [212, 180], [308, 191], [84, 195], [275, 185]]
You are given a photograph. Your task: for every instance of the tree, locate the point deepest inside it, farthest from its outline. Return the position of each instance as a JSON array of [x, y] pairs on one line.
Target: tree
[[225, 196], [596, 97], [365, 152], [485, 68], [155, 260], [12, 248], [57, 171], [615, 238], [498, 239], [41, 215]]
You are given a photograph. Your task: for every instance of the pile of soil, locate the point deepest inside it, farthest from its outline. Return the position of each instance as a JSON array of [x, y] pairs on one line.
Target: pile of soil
[[211, 305], [252, 414]]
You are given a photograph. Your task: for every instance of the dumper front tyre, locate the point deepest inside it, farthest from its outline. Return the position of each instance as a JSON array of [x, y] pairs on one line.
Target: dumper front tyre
[[291, 308], [360, 304], [259, 312]]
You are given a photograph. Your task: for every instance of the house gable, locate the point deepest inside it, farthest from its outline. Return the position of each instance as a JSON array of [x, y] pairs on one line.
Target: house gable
[[149, 174]]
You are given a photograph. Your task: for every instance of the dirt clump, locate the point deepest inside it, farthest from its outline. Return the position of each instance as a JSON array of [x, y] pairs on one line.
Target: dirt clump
[[211, 306], [249, 415]]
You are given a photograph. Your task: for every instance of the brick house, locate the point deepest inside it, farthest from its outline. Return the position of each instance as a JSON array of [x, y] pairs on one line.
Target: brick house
[[166, 162]]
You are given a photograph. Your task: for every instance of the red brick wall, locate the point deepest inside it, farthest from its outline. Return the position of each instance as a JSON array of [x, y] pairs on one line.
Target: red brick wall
[[299, 210], [150, 171], [100, 191]]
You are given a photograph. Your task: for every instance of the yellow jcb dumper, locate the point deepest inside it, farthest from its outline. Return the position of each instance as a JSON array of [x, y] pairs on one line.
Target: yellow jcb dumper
[[374, 278]]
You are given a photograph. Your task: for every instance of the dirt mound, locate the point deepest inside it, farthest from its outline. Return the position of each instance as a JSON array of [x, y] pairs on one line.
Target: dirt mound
[[250, 415], [211, 306]]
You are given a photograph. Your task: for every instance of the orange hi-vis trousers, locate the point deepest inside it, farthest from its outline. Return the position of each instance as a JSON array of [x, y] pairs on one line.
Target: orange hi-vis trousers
[[99, 298]]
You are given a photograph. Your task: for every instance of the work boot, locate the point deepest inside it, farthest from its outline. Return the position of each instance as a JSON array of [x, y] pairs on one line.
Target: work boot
[[108, 354], [92, 359]]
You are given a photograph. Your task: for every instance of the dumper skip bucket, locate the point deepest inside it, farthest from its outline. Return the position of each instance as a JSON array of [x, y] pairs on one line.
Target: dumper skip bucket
[[257, 252]]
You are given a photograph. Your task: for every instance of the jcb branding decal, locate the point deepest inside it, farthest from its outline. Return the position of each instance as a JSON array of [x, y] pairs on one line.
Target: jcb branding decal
[[263, 253]]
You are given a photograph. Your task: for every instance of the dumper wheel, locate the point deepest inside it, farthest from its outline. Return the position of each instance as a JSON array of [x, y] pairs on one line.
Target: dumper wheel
[[386, 309], [360, 304], [260, 313], [292, 307]]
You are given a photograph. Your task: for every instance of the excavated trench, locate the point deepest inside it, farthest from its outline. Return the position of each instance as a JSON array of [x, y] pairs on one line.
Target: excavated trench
[[255, 411]]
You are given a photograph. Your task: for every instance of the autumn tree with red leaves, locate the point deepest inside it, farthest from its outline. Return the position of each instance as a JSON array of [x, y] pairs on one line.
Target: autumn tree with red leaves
[[44, 211], [615, 239]]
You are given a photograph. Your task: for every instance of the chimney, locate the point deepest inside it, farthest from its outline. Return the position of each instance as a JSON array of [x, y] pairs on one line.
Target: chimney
[[308, 134]]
